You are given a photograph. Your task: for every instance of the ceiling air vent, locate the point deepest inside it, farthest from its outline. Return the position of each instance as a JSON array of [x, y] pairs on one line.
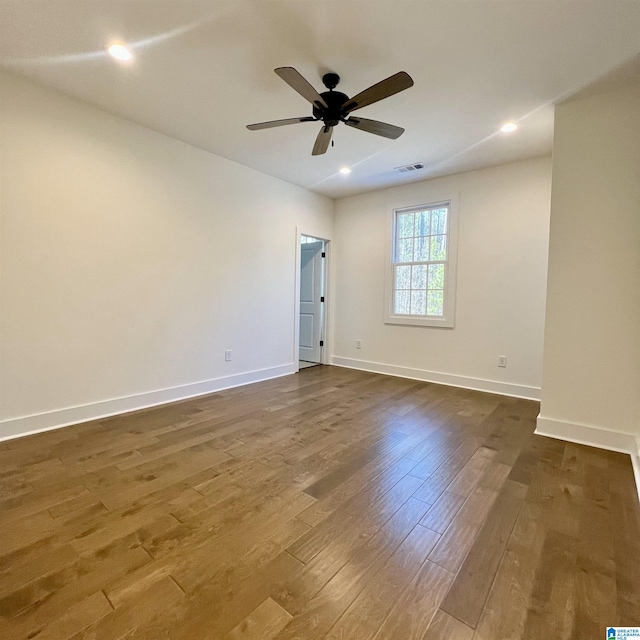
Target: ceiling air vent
[[410, 167]]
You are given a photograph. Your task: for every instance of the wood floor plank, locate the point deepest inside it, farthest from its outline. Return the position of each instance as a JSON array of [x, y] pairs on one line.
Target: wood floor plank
[[450, 465], [45, 600], [440, 515], [36, 502], [77, 618], [477, 505], [459, 537], [466, 598], [446, 627], [413, 612], [367, 613], [36, 566], [214, 608], [455, 544], [263, 541], [263, 623], [326, 484], [626, 544], [332, 503], [317, 600], [472, 473], [124, 621], [378, 471], [376, 498], [552, 602], [505, 613]]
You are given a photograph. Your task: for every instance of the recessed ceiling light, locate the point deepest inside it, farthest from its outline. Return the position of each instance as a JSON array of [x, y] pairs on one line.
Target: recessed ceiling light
[[508, 127], [345, 170], [119, 52]]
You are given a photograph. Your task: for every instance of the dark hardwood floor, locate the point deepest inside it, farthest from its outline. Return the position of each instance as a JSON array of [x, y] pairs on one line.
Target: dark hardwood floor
[[332, 504]]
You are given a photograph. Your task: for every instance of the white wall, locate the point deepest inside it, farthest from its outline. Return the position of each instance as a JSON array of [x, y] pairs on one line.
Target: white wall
[[591, 381], [502, 269], [131, 261]]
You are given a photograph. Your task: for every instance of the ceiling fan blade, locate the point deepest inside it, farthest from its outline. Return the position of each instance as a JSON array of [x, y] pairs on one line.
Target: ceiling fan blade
[[278, 123], [322, 141], [298, 83], [383, 89], [375, 126]]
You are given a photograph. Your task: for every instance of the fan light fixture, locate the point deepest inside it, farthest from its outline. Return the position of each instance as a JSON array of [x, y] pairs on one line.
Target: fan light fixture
[[509, 127], [345, 171], [120, 52], [333, 107]]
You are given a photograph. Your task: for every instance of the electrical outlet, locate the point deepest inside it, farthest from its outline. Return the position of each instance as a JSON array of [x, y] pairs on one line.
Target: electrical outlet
[[227, 355], [358, 344], [502, 361]]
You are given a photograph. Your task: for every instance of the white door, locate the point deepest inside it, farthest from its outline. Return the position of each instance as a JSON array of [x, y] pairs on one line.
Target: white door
[[311, 288]]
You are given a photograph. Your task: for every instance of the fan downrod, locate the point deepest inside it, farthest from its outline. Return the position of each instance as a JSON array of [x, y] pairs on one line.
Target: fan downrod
[[330, 80]]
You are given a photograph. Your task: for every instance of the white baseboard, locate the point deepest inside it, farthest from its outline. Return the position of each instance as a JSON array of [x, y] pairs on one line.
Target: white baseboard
[[590, 435], [593, 436], [58, 418], [635, 463], [451, 380]]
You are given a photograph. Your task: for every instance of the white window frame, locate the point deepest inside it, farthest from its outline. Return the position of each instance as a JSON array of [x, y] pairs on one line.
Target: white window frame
[[447, 319]]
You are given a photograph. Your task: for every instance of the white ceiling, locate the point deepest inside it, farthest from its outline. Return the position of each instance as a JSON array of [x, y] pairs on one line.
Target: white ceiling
[[204, 69]]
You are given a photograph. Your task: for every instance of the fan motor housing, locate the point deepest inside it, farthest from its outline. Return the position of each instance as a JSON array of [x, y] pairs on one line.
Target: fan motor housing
[[331, 116]]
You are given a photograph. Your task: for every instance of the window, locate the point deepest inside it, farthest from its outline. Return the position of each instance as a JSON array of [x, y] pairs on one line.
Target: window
[[421, 278]]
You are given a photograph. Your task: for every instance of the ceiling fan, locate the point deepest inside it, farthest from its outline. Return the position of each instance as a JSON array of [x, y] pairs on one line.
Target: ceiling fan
[[332, 107]]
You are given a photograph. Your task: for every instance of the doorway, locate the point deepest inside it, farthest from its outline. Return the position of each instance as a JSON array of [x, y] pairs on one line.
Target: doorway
[[312, 301]]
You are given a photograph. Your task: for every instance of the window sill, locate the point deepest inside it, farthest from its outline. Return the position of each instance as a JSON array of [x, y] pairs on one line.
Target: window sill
[[417, 321]]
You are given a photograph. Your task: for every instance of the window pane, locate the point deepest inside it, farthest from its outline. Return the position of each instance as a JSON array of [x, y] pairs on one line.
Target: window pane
[[435, 301], [405, 250], [438, 221], [419, 276], [422, 223], [403, 277], [401, 302], [405, 225], [436, 276], [418, 302], [421, 249], [438, 247]]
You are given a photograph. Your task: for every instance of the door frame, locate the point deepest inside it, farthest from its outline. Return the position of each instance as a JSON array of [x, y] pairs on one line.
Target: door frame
[[324, 331]]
